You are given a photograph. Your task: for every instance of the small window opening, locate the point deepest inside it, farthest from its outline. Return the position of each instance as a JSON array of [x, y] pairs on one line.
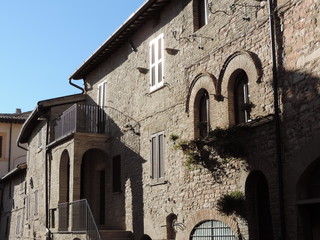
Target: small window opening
[[203, 124], [241, 99]]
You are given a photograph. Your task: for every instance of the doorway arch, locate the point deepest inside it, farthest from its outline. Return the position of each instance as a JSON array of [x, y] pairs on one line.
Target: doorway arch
[[259, 214], [93, 182]]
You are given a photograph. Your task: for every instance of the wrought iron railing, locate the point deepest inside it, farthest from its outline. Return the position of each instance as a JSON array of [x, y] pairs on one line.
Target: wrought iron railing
[[80, 118], [77, 217]]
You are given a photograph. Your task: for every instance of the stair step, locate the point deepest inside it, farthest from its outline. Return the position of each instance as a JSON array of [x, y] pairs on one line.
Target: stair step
[[116, 235]]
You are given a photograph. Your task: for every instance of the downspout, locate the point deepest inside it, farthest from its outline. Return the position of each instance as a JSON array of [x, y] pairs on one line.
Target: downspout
[[10, 139], [277, 117], [76, 86], [48, 233]]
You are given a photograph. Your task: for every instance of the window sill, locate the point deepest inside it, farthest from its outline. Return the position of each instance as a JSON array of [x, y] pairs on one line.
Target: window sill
[[157, 89], [159, 182]]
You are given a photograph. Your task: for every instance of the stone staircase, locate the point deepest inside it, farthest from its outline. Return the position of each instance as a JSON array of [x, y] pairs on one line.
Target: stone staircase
[[116, 235]]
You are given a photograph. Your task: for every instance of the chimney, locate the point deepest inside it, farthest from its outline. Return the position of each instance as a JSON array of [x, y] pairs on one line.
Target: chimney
[[18, 110]]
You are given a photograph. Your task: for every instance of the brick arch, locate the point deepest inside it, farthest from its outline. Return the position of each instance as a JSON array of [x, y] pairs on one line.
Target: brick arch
[[245, 60], [207, 214], [200, 81], [241, 62]]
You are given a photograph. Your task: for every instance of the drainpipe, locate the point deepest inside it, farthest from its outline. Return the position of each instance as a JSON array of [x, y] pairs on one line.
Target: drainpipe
[[76, 86], [279, 151], [48, 233]]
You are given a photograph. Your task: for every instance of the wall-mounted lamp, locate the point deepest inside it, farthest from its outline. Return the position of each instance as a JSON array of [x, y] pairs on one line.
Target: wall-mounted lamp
[[171, 51], [133, 48], [143, 70]]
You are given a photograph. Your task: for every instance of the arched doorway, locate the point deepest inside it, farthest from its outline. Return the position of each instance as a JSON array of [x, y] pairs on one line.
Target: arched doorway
[[64, 191], [308, 192], [259, 215], [93, 182], [64, 177]]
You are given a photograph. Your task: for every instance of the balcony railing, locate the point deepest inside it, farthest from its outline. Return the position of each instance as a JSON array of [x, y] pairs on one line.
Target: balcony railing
[[80, 118], [77, 217]]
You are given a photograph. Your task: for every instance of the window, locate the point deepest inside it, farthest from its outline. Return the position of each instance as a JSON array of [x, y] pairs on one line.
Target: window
[[241, 98], [156, 63], [203, 124], [116, 166], [211, 230], [27, 212], [3, 146], [102, 94], [157, 156], [1, 139], [18, 226], [200, 13], [40, 139], [36, 203]]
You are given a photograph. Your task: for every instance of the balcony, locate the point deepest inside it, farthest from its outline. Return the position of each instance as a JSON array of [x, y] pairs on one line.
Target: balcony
[[79, 118]]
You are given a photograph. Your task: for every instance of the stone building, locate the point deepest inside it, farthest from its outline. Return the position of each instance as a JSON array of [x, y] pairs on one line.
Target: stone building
[[10, 154], [14, 203], [197, 118]]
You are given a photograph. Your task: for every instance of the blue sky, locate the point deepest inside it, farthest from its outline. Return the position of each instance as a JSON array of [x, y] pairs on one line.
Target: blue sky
[[42, 42]]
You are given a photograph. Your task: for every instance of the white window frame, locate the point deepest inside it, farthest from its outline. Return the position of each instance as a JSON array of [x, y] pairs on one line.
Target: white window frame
[[101, 98], [155, 61], [157, 164], [206, 12]]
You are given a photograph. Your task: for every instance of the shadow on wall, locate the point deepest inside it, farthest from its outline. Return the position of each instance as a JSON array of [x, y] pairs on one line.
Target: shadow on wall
[[125, 201]]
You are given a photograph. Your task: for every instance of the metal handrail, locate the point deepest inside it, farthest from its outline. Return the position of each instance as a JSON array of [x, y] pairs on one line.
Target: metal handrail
[[79, 215]]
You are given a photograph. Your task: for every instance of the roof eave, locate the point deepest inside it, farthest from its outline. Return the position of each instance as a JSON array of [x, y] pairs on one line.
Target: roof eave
[[81, 72]]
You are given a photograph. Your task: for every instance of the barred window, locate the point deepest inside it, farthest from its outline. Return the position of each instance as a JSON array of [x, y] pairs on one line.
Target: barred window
[[212, 230]]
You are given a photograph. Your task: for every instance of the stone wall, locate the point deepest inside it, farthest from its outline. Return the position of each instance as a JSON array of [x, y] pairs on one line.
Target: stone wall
[[300, 91], [206, 58], [15, 205]]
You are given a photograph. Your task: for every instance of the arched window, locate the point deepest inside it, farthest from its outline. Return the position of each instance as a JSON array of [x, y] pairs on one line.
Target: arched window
[[242, 106], [200, 13], [211, 230], [202, 114]]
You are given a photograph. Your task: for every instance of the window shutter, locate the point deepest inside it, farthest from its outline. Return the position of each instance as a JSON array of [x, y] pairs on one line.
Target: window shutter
[[153, 157], [36, 203], [160, 156], [156, 62], [102, 94], [157, 156]]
